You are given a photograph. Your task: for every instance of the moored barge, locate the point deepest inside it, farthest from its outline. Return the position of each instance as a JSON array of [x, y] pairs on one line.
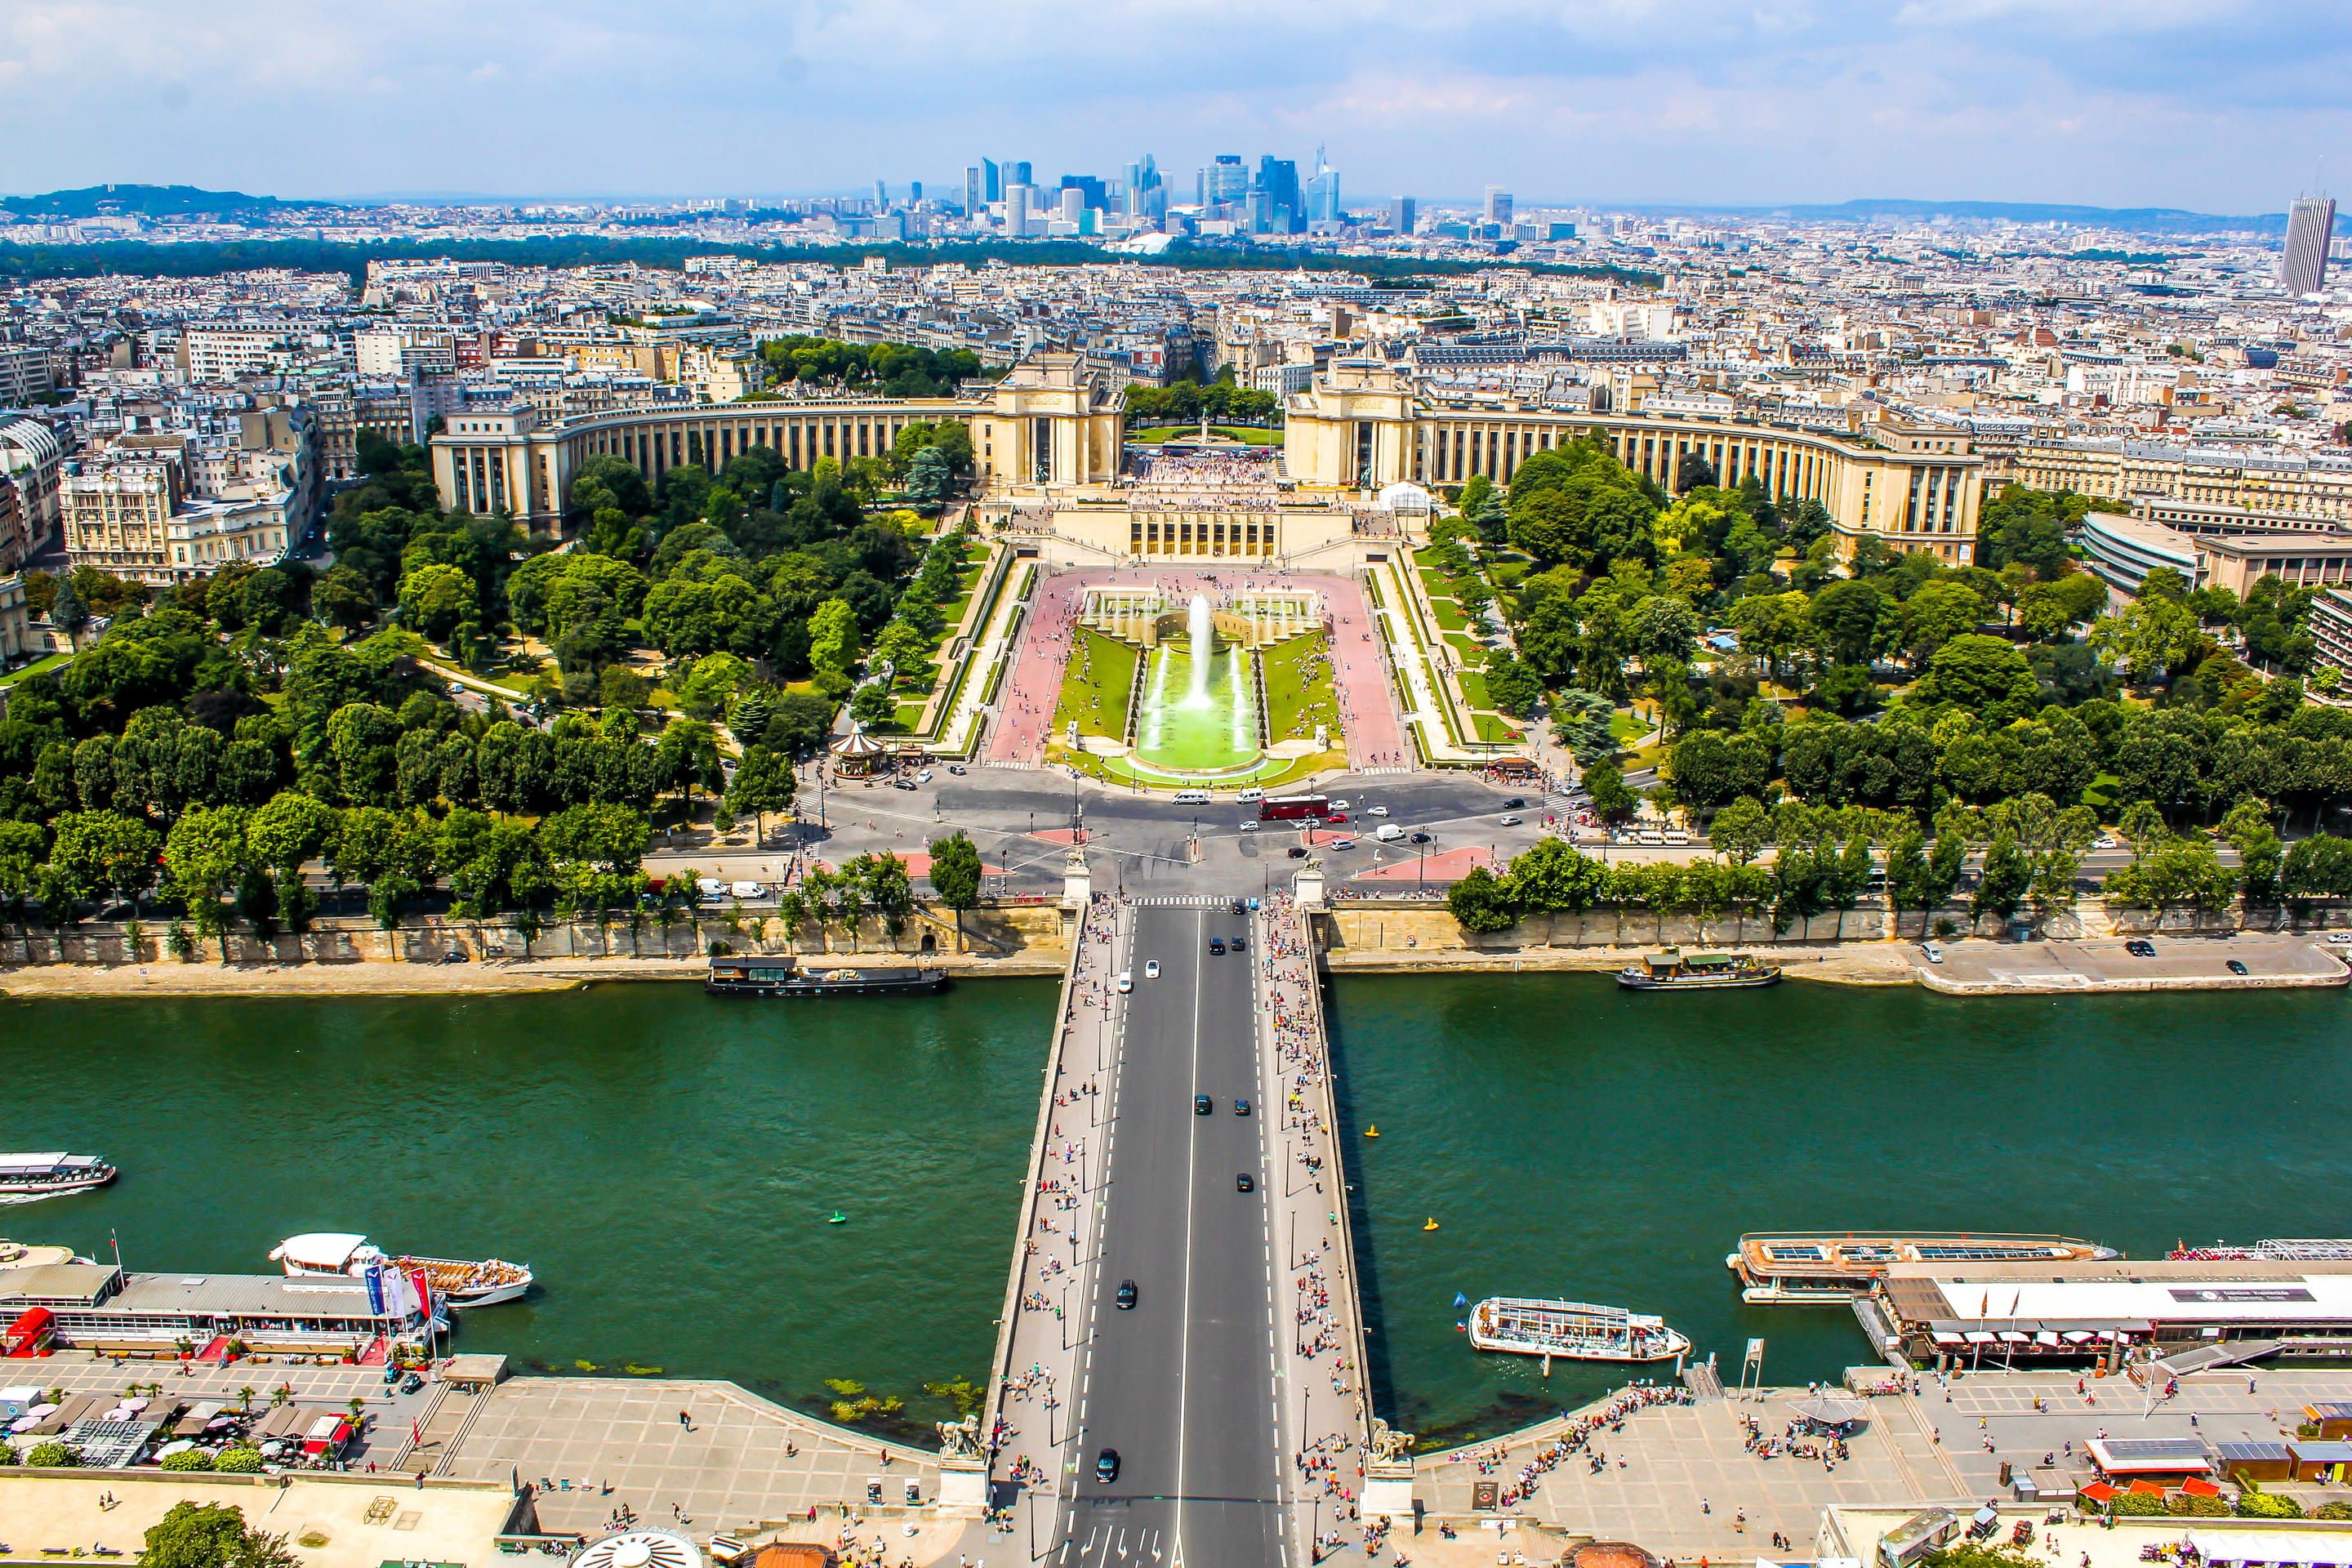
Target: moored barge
[[1821, 1269], [1672, 969], [783, 977]]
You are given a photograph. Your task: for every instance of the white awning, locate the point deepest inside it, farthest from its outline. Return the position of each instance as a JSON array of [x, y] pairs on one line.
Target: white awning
[[1978, 1337]]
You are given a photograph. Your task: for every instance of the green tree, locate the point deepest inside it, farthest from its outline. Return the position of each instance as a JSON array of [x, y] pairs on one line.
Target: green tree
[[762, 784], [212, 1535], [291, 829], [872, 704], [2260, 853], [1612, 801], [955, 876], [2003, 883], [104, 855], [436, 600], [833, 636], [1849, 877], [1741, 830], [205, 858], [1481, 902], [1984, 675]]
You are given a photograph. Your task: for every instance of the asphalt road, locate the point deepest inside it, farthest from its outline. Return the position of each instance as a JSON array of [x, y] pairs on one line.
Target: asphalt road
[[1183, 1386]]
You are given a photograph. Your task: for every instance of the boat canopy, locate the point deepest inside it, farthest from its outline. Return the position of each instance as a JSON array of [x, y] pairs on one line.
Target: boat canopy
[[325, 1251]]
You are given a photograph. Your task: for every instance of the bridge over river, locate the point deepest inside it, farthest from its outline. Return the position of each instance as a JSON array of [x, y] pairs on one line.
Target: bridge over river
[[1232, 1390]]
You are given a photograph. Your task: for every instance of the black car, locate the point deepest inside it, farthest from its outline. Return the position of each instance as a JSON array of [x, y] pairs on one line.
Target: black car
[[1202, 1105], [453, 956], [1419, 838], [1127, 1295], [413, 1383], [1514, 803], [902, 784], [1240, 944], [1297, 852], [1235, 907], [1106, 1465], [2236, 967], [1217, 946], [1244, 1182], [1240, 1105], [2140, 948]]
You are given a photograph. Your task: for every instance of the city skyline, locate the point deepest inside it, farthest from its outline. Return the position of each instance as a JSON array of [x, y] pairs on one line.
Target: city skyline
[[1698, 102]]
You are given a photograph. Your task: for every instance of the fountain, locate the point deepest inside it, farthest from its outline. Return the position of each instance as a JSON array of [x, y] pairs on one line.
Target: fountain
[[1203, 635]]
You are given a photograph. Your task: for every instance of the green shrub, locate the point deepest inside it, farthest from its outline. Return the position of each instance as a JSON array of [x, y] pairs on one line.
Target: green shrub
[[51, 1455], [8, 1454], [2262, 1505], [2131, 1504], [238, 1461], [2339, 1508], [188, 1459], [2196, 1507]]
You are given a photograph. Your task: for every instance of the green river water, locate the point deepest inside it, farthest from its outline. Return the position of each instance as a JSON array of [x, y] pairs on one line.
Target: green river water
[[667, 1161]]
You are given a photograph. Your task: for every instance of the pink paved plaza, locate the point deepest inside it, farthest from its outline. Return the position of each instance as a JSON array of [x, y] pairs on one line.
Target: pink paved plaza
[[1025, 702]]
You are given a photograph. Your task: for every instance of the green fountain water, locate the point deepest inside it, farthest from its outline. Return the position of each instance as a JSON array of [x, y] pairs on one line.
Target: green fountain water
[[1199, 706]]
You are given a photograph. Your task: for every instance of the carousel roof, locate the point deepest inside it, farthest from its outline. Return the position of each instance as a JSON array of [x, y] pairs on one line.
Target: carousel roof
[[858, 744]]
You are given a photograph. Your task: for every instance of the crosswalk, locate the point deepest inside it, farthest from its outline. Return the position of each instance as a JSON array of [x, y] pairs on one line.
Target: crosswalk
[[1178, 901], [1384, 768]]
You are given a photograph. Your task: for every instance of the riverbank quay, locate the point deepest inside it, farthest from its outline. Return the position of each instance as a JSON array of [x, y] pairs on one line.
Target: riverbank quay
[[1029, 1424], [1323, 1392], [2177, 964], [1850, 964], [704, 1455], [170, 977], [1685, 1481]]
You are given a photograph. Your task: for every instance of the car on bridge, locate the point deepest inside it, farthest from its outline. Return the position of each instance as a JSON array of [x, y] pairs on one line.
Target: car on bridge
[[1240, 1105], [1151, 970], [1244, 1182], [1106, 1465], [1217, 946], [1126, 1295], [1202, 1105], [1241, 943], [1126, 980]]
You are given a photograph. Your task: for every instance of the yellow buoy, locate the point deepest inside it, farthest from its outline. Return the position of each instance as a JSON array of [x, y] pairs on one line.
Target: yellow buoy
[[1430, 1225], [1371, 1132]]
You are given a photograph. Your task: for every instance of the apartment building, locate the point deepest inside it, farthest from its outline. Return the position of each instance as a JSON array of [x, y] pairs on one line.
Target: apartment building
[[117, 507], [224, 350], [31, 458]]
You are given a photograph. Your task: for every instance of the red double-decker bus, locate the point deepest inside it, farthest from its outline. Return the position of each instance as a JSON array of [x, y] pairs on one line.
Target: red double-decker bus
[[1292, 807]]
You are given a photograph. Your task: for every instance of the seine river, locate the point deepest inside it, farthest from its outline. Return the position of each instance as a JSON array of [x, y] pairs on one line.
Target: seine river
[[669, 1163]]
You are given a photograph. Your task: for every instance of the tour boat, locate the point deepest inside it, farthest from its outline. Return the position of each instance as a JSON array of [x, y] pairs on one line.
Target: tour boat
[[1672, 969], [1572, 1330], [28, 1178], [455, 1282], [783, 977], [1790, 1268]]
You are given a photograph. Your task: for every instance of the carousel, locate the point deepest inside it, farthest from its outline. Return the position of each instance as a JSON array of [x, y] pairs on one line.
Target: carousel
[[858, 755]]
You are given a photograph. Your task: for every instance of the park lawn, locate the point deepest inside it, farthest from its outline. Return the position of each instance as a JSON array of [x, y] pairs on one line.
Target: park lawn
[[1100, 704], [952, 612], [1509, 574], [1295, 702], [1450, 617], [1496, 730], [1624, 727], [910, 714], [37, 667], [1473, 688], [2099, 794], [1466, 649]]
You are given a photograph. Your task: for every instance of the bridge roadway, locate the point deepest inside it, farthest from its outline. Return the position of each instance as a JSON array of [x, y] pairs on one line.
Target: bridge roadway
[[1186, 1384]]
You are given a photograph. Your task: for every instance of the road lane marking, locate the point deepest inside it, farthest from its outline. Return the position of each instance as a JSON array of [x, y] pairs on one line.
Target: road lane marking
[[1192, 1161]]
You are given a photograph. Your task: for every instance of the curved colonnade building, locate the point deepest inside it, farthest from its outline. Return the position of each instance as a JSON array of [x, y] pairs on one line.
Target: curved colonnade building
[[1046, 444]]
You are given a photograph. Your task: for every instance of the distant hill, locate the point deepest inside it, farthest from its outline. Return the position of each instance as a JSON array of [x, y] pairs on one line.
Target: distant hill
[[2140, 220], [144, 201]]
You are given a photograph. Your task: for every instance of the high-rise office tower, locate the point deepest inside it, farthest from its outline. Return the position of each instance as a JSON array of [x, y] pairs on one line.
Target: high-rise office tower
[[991, 180], [1498, 204], [1016, 211], [1074, 203], [1016, 174], [881, 196], [1278, 178], [972, 198], [1323, 197], [1090, 190], [2310, 224], [1400, 214], [1223, 181], [914, 193]]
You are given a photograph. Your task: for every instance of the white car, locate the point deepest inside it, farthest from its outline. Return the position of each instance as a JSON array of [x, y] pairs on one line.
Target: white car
[[1151, 970], [1249, 826], [1376, 811], [1126, 980], [2339, 938], [923, 777], [1935, 954], [2105, 841], [1509, 821], [1339, 806]]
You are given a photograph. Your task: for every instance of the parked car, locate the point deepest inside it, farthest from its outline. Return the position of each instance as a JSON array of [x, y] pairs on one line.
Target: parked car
[[1126, 980], [412, 1384], [2236, 967], [2339, 938], [1935, 954], [2140, 947]]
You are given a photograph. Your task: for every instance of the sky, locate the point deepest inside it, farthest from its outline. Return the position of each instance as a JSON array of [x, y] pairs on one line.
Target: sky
[[2220, 106]]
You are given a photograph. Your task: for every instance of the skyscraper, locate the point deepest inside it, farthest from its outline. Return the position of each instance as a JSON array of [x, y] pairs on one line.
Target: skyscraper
[[1016, 173], [1400, 214], [881, 196], [1322, 194], [1016, 211], [1498, 204], [972, 196], [2310, 224], [1278, 178], [991, 180]]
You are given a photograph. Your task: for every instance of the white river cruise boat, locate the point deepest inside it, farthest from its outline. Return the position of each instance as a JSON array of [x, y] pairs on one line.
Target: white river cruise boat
[[1573, 1330], [28, 1178], [455, 1282]]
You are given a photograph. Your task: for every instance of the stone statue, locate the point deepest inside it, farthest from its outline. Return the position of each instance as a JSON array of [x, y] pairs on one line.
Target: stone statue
[[1387, 1444], [960, 1439]]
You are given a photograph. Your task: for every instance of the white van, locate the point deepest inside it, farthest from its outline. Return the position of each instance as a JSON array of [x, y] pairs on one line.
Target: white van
[[1251, 796], [745, 890], [1191, 797], [1388, 833]]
